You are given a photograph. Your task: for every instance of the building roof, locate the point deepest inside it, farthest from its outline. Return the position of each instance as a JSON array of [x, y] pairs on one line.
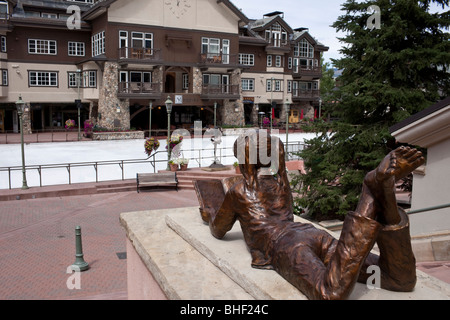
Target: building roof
[[426, 127]]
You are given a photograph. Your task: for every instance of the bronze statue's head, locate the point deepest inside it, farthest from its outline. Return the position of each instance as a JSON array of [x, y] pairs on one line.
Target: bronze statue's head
[[256, 150]]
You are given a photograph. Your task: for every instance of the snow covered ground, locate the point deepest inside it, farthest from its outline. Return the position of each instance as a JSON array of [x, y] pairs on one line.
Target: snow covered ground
[[94, 151]]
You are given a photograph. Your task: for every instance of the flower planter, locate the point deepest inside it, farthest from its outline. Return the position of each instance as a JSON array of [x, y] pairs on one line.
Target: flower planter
[[183, 167], [173, 167]]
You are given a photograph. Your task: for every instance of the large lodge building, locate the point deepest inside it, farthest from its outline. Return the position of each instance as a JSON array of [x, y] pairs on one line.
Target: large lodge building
[[123, 56]]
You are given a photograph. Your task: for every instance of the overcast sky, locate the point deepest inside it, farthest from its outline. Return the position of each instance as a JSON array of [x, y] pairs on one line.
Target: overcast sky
[[318, 16]]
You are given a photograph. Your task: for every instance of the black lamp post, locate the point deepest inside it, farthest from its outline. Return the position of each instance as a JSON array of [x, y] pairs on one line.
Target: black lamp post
[[288, 108], [78, 103], [169, 104], [20, 105]]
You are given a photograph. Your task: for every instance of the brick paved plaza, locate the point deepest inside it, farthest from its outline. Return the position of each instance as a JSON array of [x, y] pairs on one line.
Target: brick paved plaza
[[37, 243]]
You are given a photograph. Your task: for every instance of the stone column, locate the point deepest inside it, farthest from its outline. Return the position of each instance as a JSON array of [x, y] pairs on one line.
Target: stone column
[[197, 81], [233, 113], [114, 112], [26, 121]]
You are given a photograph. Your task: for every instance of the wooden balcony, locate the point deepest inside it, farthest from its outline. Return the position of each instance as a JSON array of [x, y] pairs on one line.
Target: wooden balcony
[[218, 60], [305, 95], [140, 56], [137, 90], [311, 73], [220, 92]]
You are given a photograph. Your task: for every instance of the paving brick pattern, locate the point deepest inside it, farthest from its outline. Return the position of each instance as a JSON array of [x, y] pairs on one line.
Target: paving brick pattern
[[37, 243]]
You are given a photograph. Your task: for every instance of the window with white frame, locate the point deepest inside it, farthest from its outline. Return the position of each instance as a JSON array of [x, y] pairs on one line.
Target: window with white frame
[[37, 46], [304, 49], [219, 80], [98, 44], [4, 79], [211, 46], [247, 59], [269, 85], [248, 84], [43, 78], [278, 85], [276, 35], [49, 15], [269, 60], [141, 40], [278, 61], [140, 77], [88, 79], [274, 84], [76, 49], [3, 43], [185, 81]]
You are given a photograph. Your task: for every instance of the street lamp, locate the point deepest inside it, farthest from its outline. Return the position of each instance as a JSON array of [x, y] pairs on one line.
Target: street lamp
[[169, 104], [215, 110], [288, 108], [20, 105], [78, 103], [271, 102], [320, 107], [150, 108]]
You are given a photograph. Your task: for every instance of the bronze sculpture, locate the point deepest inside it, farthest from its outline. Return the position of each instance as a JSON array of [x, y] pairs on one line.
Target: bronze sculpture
[[316, 263]]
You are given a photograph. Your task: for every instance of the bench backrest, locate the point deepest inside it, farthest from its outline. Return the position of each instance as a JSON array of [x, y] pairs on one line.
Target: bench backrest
[[157, 177]]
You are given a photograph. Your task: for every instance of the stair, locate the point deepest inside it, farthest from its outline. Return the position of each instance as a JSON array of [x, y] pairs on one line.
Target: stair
[[119, 186]]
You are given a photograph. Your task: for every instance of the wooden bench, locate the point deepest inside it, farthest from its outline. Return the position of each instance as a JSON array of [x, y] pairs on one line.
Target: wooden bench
[[164, 179]]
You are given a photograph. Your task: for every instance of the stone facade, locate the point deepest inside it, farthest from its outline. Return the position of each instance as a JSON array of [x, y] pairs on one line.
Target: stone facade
[[114, 113], [233, 110], [197, 81]]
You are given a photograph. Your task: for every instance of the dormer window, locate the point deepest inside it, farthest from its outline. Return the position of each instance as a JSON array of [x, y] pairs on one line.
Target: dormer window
[[276, 35], [304, 49]]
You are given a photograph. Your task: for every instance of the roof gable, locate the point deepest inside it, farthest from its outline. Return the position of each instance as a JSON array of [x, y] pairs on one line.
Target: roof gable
[[265, 23]]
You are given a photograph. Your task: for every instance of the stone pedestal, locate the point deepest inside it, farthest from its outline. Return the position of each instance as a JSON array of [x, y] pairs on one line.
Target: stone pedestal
[[174, 256]]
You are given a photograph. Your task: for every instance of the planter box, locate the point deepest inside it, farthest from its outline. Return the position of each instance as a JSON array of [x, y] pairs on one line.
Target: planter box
[[104, 136]]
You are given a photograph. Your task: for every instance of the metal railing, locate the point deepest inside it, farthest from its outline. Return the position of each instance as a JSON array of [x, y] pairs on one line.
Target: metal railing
[[196, 155]]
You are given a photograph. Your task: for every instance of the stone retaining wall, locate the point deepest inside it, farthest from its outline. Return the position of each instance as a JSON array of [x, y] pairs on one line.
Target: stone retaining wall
[[102, 136]]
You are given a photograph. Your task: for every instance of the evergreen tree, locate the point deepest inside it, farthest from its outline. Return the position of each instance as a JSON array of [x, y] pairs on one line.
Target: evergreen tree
[[388, 74]]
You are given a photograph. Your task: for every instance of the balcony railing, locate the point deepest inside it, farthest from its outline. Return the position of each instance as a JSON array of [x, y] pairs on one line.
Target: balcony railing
[[139, 55], [127, 89], [218, 59], [299, 94], [224, 91], [315, 72]]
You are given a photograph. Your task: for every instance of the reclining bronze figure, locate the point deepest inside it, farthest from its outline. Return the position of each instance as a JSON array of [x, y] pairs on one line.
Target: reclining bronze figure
[[316, 263]]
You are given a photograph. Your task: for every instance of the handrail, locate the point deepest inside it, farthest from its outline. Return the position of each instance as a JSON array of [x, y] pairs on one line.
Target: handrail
[[122, 163], [443, 206]]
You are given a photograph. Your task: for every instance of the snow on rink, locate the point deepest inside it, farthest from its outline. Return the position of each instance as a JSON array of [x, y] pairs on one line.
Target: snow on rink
[[95, 151]]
